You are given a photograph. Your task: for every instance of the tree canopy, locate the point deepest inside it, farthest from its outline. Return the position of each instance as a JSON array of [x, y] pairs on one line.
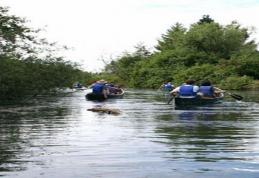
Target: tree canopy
[[24, 70], [206, 50]]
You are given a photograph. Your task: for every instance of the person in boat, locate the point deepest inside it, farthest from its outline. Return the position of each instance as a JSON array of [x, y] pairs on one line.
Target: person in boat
[[113, 89], [186, 90], [207, 90], [110, 87], [99, 88], [167, 86], [93, 83], [77, 85]]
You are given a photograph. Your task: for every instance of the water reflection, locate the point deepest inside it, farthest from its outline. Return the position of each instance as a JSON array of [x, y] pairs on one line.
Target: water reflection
[[57, 137], [28, 125], [209, 136]]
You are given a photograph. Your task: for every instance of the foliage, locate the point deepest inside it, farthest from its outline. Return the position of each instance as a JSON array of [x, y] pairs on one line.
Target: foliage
[[172, 39], [205, 19], [122, 70], [247, 64], [236, 82], [20, 78], [198, 72], [12, 30], [23, 71], [207, 50]]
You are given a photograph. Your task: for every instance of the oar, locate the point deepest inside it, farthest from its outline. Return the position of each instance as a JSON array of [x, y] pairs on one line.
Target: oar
[[170, 99], [235, 96]]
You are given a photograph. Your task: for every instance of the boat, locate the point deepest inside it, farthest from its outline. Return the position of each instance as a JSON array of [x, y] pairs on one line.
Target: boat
[[197, 101], [79, 88], [95, 97]]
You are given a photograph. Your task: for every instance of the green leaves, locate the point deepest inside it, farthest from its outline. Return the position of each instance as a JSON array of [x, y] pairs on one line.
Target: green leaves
[[12, 31], [173, 38], [236, 82], [23, 71], [207, 50]]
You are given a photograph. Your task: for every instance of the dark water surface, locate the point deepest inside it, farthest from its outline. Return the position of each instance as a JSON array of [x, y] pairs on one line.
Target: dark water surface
[[58, 137]]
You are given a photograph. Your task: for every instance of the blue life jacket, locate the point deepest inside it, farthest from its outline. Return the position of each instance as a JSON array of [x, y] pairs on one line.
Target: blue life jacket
[[206, 90], [168, 87], [98, 88], [186, 90]]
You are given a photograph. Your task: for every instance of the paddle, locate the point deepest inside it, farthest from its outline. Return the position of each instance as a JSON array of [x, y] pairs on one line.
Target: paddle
[[235, 96], [170, 99]]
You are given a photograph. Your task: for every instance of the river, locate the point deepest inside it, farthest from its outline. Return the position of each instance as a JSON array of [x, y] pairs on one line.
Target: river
[[55, 136]]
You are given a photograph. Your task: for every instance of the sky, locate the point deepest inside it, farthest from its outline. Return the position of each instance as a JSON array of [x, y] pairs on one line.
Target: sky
[[100, 30]]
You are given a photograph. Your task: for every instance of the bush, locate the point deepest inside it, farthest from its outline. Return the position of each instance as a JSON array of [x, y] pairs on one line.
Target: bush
[[198, 73], [236, 82]]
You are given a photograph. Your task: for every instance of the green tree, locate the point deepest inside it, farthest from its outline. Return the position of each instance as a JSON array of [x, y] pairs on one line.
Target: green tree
[[123, 66], [173, 38], [23, 71], [205, 50], [205, 19]]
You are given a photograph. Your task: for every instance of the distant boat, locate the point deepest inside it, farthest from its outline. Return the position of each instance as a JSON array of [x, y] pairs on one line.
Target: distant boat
[[197, 101], [78, 86], [95, 97]]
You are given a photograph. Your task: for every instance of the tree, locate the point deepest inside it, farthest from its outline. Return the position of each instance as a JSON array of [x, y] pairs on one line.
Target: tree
[[205, 50], [205, 19], [23, 70], [173, 38], [124, 65], [14, 35]]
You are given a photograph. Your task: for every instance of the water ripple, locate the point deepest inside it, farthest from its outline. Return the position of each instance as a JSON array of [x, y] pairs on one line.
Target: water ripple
[[56, 136]]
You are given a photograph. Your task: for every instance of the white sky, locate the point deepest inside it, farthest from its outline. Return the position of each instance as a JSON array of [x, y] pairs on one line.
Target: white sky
[[105, 28]]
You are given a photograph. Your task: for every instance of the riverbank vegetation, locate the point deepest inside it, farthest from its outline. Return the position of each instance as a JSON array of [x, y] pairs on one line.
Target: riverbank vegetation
[[206, 50], [224, 54], [27, 63]]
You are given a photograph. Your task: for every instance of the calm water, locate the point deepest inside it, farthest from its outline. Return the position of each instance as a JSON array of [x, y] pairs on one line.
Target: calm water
[[57, 137]]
